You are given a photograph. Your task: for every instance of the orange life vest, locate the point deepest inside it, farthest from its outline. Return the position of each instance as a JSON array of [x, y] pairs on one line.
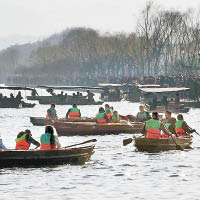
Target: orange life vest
[[74, 113], [21, 143], [100, 118], [153, 129], [179, 130]]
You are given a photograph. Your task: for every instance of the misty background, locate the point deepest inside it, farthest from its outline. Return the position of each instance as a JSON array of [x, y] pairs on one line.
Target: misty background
[[91, 41]]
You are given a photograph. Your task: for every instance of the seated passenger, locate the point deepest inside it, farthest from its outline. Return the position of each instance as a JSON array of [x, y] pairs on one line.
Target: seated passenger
[[115, 117], [108, 111], [51, 113], [142, 115], [153, 127], [169, 123], [181, 127], [24, 140], [73, 113], [48, 140], [101, 117]]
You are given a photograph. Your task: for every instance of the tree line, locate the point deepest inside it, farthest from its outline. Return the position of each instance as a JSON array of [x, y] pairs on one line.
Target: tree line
[[166, 42]]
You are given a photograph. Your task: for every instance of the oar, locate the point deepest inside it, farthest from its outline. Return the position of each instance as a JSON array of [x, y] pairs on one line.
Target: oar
[[195, 131], [179, 147], [88, 141], [127, 141]]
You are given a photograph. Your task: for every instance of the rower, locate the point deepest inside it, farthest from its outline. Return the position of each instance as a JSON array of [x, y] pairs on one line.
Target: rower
[[73, 113], [48, 140], [24, 140], [169, 123], [51, 113], [153, 127], [181, 127], [101, 117], [115, 117], [108, 111], [142, 115]]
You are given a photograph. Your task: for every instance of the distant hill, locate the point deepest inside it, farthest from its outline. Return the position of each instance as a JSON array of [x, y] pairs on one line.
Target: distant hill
[[7, 41]]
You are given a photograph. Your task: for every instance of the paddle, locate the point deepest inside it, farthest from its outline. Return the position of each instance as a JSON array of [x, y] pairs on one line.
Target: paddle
[[88, 141], [195, 131], [127, 141]]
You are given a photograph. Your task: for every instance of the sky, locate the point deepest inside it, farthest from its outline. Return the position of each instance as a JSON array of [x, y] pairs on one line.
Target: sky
[[41, 18]]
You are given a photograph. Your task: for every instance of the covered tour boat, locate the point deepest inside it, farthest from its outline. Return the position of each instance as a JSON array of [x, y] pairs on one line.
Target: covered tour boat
[[33, 158], [162, 99]]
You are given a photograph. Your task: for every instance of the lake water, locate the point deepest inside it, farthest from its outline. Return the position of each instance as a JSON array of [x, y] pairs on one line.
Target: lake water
[[114, 172]]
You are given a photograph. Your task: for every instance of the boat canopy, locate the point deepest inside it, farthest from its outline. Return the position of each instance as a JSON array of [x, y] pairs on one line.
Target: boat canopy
[[148, 86], [110, 85], [70, 87], [164, 90], [16, 88]]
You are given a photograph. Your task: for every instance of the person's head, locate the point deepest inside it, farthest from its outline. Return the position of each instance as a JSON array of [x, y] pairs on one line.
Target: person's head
[[115, 113], [62, 92], [49, 129], [180, 117], [101, 110], [74, 106], [27, 131], [107, 106], [20, 134], [141, 108], [168, 114], [53, 106], [155, 115]]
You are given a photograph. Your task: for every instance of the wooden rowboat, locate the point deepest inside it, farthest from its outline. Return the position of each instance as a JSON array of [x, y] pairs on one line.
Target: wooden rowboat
[[33, 158], [41, 121], [92, 128], [163, 144]]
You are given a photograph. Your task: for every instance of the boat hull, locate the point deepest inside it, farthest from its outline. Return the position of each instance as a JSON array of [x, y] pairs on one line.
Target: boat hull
[[162, 109], [163, 144], [14, 105], [92, 128], [69, 102], [41, 121], [34, 158]]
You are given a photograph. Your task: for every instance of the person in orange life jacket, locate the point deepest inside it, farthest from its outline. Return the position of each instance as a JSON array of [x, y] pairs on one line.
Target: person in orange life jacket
[[73, 113], [169, 123], [181, 127], [142, 115], [153, 127], [101, 117], [115, 118], [51, 113], [24, 140], [108, 111], [48, 140]]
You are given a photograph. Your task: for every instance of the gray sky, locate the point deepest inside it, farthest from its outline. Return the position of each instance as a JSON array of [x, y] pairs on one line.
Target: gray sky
[[45, 17]]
